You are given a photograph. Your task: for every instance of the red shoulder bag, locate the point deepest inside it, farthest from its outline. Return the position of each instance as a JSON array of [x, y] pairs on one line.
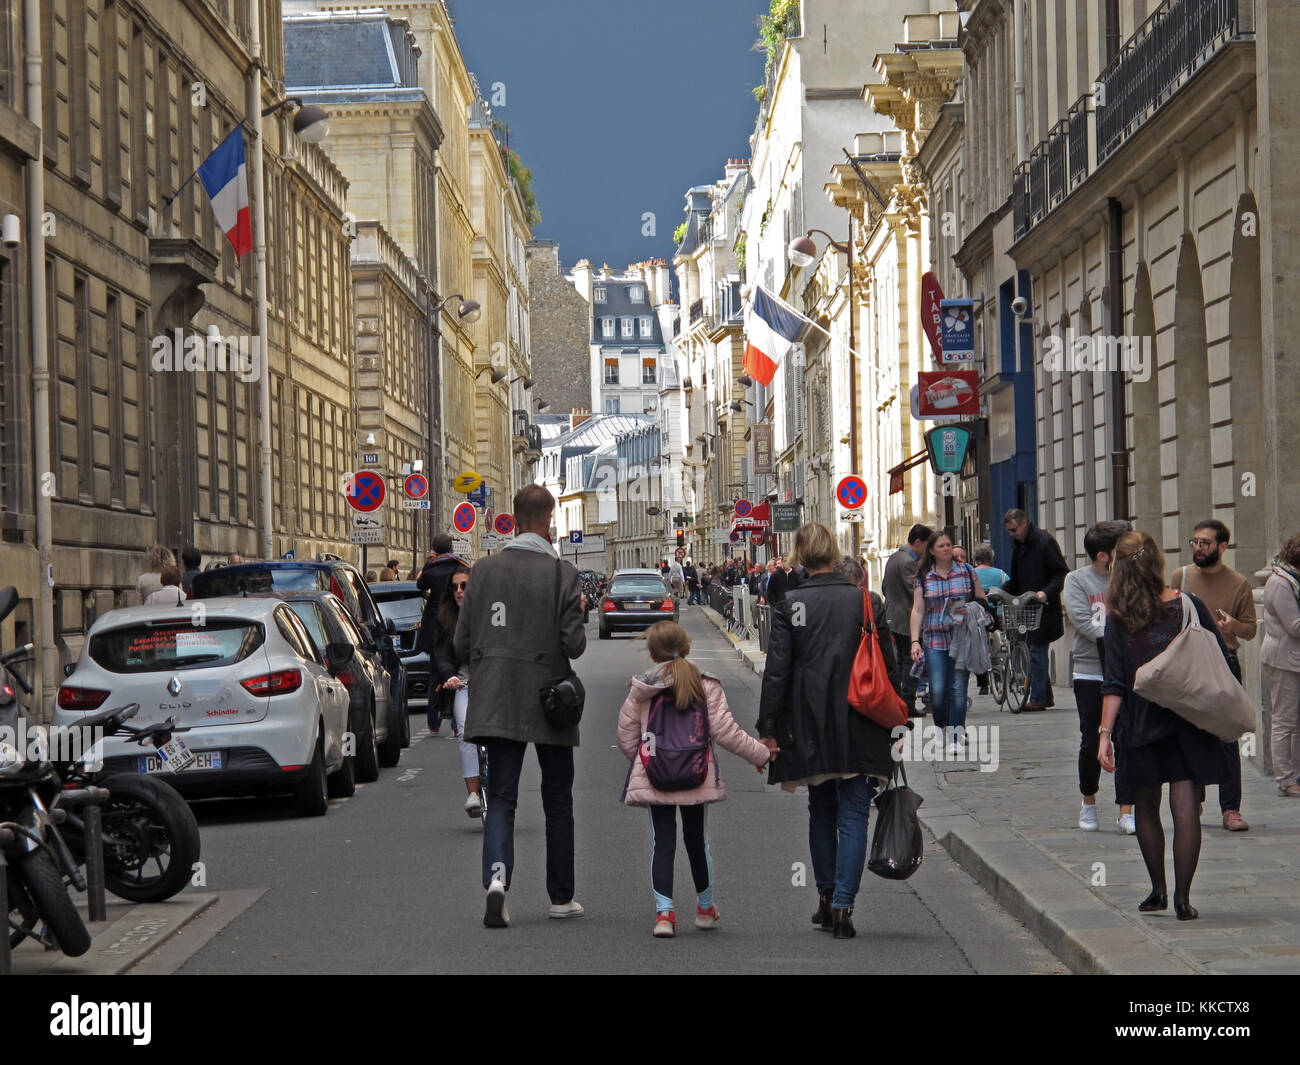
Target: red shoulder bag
[[870, 692]]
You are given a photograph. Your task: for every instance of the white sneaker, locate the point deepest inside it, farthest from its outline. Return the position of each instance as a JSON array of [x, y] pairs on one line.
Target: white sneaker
[[474, 805], [956, 750], [1088, 818], [1127, 824], [560, 910], [494, 914]]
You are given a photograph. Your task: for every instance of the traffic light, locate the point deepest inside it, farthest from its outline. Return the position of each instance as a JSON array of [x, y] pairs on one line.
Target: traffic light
[[681, 538]]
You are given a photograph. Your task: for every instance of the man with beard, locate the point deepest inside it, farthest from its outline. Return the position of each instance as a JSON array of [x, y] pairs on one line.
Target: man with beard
[[1227, 593]]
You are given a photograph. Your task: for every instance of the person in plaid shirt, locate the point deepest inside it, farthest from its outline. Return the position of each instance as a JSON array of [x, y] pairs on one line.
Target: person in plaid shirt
[[943, 587]]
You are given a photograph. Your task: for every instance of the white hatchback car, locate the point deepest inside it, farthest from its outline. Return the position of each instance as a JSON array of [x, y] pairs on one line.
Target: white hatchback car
[[265, 709]]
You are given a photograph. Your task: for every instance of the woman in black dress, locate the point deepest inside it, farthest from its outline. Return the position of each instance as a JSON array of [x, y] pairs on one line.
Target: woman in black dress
[[1158, 746]]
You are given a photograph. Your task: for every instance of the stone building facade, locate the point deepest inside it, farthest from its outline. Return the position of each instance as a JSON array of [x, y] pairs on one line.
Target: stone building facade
[[559, 319]]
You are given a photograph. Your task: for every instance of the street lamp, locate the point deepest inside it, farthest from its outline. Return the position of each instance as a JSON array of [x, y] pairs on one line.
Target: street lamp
[[541, 405], [528, 381], [739, 405], [497, 375], [803, 252], [745, 381], [310, 124], [467, 311]]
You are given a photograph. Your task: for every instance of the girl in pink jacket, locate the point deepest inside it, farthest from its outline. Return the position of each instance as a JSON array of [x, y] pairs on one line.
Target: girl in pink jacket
[[667, 728]]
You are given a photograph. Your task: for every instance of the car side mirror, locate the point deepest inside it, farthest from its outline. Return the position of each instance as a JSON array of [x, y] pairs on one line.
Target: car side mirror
[[390, 626], [338, 655], [69, 669]]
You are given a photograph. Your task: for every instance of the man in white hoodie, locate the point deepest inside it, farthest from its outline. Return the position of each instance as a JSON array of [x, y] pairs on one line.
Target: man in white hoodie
[[1084, 600]]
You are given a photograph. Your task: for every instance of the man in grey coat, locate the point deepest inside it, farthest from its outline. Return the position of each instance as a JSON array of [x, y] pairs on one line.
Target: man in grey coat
[[897, 587], [520, 625]]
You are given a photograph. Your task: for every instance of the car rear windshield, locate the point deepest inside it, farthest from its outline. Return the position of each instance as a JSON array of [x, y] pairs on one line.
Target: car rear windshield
[[172, 646], [637, 586], [409, 608], [251, 582]]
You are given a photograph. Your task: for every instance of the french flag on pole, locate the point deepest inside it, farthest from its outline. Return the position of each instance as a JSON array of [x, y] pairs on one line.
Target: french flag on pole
[[226, 182], [771, 328]]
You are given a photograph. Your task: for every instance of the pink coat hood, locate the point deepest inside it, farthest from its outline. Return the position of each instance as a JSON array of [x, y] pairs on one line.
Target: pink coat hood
[[723, 732]]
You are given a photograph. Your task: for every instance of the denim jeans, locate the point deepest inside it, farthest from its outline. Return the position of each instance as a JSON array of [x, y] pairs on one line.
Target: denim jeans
[[506, 759], [838, 811], [947, 689], [1040, 690]]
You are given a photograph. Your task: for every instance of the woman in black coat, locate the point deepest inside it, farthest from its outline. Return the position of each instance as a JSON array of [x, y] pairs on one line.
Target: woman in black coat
[[818, 739]]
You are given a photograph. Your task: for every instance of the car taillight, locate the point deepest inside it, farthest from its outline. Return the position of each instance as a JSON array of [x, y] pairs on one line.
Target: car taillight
[[346, 677], [281, 682], [608, 604], [71, 698], [667, 604]]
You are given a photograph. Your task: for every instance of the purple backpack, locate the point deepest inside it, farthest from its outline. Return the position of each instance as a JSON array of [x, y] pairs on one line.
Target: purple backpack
[[675, 748]]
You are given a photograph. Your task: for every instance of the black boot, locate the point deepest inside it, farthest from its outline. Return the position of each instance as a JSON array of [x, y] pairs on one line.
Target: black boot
[[822, 918], [842, 924]]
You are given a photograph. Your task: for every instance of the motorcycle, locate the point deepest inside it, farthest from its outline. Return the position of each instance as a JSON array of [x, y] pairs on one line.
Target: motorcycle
[[37, 858], [150, 836]]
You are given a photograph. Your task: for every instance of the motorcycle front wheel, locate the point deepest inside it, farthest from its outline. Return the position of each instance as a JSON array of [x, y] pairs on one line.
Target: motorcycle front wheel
[[47, 900], [151, 839]]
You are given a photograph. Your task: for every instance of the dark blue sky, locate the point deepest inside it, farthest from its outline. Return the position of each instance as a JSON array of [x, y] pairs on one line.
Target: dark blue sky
[[618, 107]]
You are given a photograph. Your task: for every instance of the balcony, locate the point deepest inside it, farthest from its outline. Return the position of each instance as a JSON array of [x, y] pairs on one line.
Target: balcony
[[697, 311], [1179, 38]]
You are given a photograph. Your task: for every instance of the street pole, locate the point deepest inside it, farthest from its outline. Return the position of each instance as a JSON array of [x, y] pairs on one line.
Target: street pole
[[853, 389], [436, 472], [40, 360], [259, 251]]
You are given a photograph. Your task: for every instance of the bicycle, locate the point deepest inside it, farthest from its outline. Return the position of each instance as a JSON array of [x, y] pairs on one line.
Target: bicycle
[[1009, 648]]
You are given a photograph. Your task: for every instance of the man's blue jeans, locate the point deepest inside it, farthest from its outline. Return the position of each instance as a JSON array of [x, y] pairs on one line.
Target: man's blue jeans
[[947, 689], [1040, 690], [838, 811], [506, 762]]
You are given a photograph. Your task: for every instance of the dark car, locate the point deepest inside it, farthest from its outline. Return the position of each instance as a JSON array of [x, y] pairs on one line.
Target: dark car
[[402, 603], [636, 599], [376, 742], [340, 578]]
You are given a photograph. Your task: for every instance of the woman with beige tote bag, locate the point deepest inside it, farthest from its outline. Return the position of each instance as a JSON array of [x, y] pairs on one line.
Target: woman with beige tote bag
[[1159, 746]]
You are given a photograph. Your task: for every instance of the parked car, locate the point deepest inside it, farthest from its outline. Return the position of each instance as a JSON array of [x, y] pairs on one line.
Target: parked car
[[375, 741], [341, 578], [266, 709], [636, 599], [402, 603]]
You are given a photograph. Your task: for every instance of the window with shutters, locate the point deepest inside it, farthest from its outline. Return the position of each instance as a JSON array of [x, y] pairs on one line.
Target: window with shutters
[[611, 371]]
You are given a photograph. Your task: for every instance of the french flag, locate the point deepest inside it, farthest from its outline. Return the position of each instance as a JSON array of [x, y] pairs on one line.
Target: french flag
[[226, 182], [771, 328]]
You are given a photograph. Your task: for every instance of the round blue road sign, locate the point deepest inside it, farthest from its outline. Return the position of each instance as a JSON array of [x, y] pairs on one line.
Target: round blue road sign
[[415, 486], [744, 508], [851, 492], [464, 517], [366, 491]]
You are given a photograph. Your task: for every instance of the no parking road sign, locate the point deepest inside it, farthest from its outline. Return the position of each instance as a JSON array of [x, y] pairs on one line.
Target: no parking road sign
[[365, 491], [851, 492], [464, 517], [505, 524], [416, 489], [744, 508]]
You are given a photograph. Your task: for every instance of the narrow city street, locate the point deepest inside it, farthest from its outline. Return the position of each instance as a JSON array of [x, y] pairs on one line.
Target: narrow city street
[[388, 881]]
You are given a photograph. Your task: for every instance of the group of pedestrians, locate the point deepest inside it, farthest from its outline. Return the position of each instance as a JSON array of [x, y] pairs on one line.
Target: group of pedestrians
[[164, 583]]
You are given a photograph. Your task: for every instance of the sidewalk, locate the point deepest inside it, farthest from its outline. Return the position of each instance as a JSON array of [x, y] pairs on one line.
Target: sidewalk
[[1015, 831]]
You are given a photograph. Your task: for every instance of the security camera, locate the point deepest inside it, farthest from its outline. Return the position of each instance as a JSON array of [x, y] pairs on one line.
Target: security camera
[[9, 232], [1020, 307]]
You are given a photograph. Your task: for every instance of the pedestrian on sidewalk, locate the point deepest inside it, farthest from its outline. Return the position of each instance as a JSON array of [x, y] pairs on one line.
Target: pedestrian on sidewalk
[[677, 578], [170, 592], [1230, 599], [990, 577], [1280, 656], [676, 714], [898, 586], [692, 583], [192, 558], [451, 674], [151, 579], [439, 564], [1037, 565], [944, 589], [1156, 746], [519, 626], [1084, 599], [816, 738]]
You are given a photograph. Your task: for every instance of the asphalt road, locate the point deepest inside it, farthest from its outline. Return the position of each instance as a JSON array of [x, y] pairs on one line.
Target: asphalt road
[[388, 881]]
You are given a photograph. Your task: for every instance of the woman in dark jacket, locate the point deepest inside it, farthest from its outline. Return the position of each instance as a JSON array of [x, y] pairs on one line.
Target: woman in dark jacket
[[1144, 616], [818, 740], [450, 676]]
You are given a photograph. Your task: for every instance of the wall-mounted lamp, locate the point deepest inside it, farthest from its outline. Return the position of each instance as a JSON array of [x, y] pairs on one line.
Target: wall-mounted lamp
[[497, 375]]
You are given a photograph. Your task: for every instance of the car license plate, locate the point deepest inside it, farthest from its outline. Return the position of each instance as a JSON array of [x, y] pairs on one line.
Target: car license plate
[[175, 757], [639, 605]]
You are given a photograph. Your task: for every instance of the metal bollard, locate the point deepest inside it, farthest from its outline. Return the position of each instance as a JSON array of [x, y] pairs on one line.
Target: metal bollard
[[95, 901], [5, 963]]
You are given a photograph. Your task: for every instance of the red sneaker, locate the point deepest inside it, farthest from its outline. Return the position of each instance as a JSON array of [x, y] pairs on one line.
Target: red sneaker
[[707, 918], [665, 924]]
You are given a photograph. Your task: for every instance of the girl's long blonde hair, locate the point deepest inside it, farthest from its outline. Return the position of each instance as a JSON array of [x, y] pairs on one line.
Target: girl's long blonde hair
[[667, 642]]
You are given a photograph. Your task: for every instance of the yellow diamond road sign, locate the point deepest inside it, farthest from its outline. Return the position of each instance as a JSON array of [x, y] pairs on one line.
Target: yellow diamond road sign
[[467, 481]]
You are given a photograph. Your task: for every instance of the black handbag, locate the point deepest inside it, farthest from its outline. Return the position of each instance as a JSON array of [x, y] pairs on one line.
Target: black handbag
[[563, 700], [898, 847]]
